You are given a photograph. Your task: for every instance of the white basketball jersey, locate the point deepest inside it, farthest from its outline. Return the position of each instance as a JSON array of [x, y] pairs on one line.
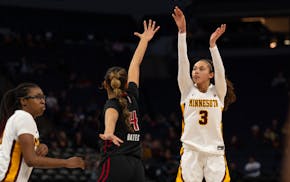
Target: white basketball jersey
[[12, 164], [202, 115]]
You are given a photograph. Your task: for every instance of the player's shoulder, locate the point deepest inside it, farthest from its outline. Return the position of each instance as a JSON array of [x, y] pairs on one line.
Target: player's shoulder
[[112, 103], [21, 114]]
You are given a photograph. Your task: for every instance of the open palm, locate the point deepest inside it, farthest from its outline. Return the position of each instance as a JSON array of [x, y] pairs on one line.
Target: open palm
[[216, 34], [149, 30], [179, 19]]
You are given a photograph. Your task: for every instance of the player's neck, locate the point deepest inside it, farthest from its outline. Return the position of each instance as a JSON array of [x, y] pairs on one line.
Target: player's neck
[[111, 95], [203, 87]]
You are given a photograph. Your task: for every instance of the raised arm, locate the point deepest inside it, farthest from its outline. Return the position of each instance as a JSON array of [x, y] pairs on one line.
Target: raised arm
[[185, 82], [145, 37], [219, 75]]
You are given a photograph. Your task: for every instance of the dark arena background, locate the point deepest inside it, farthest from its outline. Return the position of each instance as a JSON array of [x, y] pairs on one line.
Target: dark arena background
[[66, 46]]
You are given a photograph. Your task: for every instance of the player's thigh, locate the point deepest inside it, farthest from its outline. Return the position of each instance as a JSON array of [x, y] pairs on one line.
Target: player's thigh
[[116, 168], [139, 171], [216, 169], [191, 166]]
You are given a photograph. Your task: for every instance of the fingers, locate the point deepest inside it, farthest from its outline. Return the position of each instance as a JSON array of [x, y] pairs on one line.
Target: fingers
[[137, 34], [221, 29], [102, 136], [156, 29], [150, 23], [83, 164], [151, 26], [145, 25], [117, 141], [178, 11], [173, 15], [41, 150]]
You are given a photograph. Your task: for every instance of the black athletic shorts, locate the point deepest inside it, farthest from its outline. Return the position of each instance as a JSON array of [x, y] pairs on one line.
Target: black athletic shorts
[[121, 168]]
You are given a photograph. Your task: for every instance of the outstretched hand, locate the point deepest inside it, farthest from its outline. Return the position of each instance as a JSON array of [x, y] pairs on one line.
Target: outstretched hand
[[112, 138], [216, 34], [179, 19], [149, 30]]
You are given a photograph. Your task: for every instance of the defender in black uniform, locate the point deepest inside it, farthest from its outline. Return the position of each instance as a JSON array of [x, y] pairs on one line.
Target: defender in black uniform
[[121, 150]]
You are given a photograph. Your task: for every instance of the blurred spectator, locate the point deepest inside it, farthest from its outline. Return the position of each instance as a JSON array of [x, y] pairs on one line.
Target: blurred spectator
[[235, 143], [25, 67], [286, 152], [252, 168], [255, 137], [146, 147], [271, 138], [62, 140], [279, 80], [172, 141]]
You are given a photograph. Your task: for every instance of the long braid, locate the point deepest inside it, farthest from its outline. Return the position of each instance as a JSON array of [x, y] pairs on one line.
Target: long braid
[[116, 78]]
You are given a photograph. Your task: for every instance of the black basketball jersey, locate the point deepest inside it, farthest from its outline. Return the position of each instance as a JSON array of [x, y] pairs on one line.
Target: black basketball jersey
[[131, 145]]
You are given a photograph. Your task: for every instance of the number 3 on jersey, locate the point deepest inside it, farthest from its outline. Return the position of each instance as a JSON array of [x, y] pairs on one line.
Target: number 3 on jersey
[[203, 117], [134, 120]]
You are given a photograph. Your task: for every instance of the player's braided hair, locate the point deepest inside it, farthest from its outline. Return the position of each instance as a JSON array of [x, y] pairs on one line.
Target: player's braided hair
[[230, 95], [116, 79], [11, 102]]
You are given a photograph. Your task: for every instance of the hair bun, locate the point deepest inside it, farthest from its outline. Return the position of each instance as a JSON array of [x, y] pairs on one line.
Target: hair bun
[[115, 83]]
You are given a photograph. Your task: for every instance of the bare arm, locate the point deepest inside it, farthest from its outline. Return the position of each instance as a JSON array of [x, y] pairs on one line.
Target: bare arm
[[42, 150], [32, 159], [145, 37], [219, 75], [185, 82], [111, 118]]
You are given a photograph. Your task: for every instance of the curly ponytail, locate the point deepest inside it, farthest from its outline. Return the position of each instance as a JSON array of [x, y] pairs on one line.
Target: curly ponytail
[[116, 78]]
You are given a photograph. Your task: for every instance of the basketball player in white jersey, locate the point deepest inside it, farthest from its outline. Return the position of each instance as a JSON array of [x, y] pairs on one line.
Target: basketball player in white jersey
[[202, 102], [20, 149]]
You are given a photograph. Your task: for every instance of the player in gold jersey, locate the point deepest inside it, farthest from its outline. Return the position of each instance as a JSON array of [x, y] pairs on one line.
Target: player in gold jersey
[[202, 102]]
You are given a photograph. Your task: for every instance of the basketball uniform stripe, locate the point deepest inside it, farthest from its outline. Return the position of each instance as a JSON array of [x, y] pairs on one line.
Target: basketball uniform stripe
[[15, 163], [179, 175], [103, 171], [182, 111], [227, 177], [105, 163], [107, 170]]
